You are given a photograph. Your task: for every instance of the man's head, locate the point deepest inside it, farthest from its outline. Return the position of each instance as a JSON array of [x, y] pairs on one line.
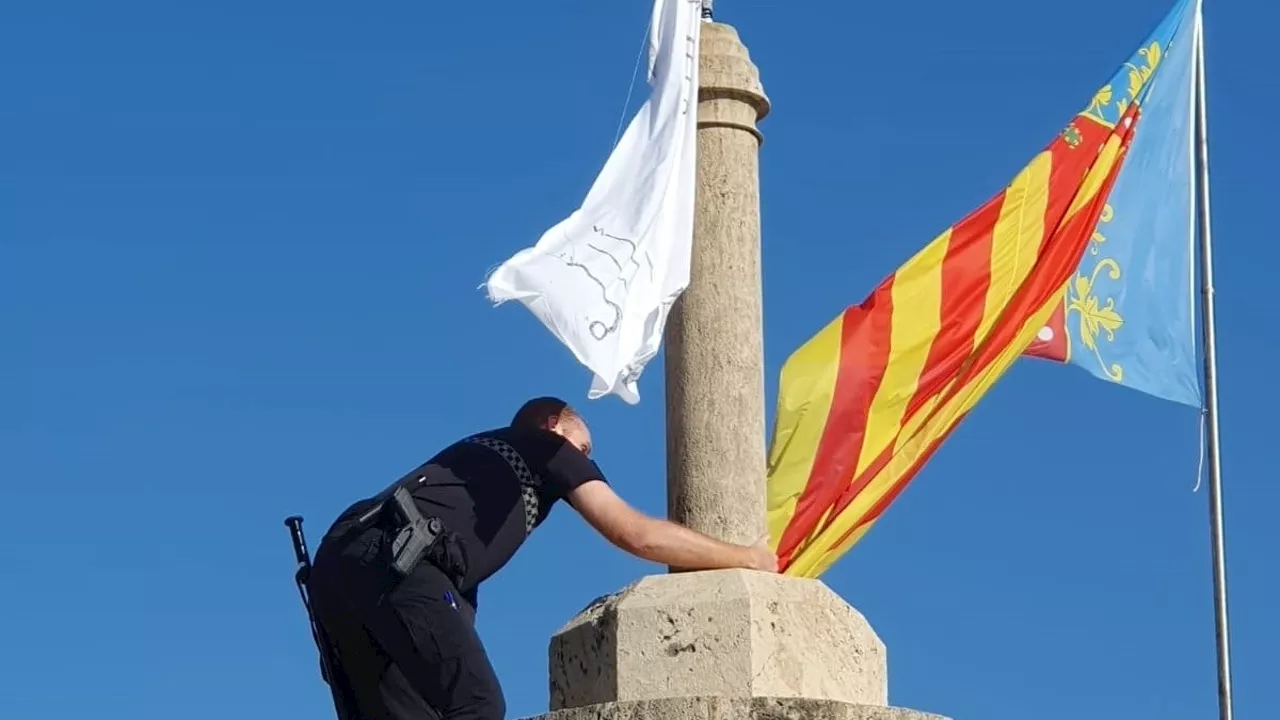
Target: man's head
[[555, 415]]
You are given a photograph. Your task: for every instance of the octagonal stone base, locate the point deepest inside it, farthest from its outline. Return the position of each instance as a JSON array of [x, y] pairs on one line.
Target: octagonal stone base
[[726, 633], [721, 708]]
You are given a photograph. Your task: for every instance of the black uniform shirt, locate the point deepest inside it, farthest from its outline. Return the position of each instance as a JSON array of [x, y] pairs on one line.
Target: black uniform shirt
[[495, 487]]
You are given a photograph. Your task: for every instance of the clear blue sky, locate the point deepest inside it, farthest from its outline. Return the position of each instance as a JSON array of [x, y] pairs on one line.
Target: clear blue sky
[[240, 247]]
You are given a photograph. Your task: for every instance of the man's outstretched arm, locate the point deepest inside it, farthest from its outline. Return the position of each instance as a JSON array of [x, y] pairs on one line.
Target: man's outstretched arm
[[661, 541]]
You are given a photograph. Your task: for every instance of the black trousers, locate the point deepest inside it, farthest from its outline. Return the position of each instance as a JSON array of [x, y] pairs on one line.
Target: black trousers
[[409, 649]]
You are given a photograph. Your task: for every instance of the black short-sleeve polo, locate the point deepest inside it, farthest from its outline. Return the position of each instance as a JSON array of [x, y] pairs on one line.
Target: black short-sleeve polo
[[567, 469], [494, 488]]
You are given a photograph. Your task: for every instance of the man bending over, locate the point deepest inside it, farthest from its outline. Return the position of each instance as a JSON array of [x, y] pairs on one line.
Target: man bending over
[[408, 645]]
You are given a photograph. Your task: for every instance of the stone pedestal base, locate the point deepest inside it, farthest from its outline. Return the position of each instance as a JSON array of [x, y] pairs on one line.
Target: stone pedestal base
[[722, 708], [728, 633]]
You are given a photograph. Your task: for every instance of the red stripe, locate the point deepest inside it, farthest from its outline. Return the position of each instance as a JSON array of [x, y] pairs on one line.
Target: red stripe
[[1060, 255], [864, 353], [875, 511], [1054, 349], [1074, 236], [966, 275]]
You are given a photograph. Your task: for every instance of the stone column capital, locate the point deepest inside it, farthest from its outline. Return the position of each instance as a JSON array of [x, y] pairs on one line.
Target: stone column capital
[[730, 93]]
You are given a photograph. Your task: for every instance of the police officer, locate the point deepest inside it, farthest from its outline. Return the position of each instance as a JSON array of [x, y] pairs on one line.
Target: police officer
[[408, 646]]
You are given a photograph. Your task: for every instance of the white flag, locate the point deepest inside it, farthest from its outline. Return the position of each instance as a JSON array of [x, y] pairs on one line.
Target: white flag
[[603, 279]]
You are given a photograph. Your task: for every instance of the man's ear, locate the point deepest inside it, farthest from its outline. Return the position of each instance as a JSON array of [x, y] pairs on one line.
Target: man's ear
[[553, 422]]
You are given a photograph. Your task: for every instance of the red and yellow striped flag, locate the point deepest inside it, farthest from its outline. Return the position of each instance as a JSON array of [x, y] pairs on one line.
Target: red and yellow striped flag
[[865, 402]]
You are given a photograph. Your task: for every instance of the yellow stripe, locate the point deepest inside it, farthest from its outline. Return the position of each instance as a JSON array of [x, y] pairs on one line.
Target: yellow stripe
[[1097, 176], [1013, 256], [806, 387], [916, 320], [912, 426], [827, 560], [818, 556], [1015, 244], [1066, 336]]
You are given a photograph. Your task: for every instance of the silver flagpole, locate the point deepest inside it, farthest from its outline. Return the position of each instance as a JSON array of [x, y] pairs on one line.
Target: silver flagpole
[[1211, 385], [707, 10]]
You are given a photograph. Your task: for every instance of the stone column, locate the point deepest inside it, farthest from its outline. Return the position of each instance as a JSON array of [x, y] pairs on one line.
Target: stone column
[[730, 643], [714, 342]]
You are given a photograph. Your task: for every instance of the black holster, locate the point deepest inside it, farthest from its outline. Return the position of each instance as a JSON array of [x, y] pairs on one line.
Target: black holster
[[409, 537]]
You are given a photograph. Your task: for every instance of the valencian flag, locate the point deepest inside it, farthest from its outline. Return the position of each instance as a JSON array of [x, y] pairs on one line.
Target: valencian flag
[[1084, 258], [1127, 316]]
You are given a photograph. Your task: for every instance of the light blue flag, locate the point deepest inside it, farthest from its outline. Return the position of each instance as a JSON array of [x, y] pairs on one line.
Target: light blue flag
[[1128, 316]]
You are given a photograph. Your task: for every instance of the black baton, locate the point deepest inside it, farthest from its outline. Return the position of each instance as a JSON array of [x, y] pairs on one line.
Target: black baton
[[330, 666]]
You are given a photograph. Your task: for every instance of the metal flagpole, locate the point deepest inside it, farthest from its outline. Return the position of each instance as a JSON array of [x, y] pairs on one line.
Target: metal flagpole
[[1211, 384], [707, 12]]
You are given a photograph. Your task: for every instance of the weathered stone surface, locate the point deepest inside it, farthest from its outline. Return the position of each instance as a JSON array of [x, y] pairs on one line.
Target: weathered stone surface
[[714, 347], [727, 633], [728, 644], [721, 708]]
